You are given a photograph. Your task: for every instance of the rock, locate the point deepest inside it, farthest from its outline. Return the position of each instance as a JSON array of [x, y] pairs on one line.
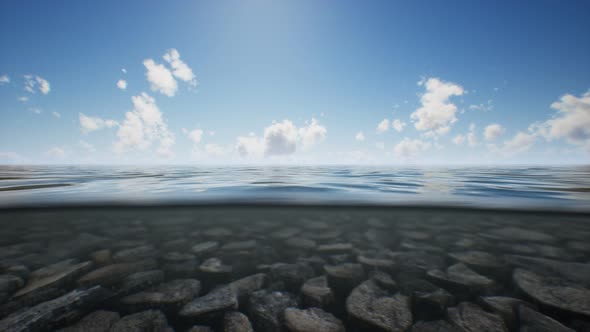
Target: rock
[[431, 306], [516, 234], [505, 307], [384, 280], [316, 293], [167, 296], [481, 262], [311, 320], [577, 272], [214, 266], [47, 315], [554, 292], [200, 328], [239, 245], [235, 321], [97, 321], [242, 288], [30, 299], [301, 243], [111, 274], [215, 302], [140, 281], [134, 254], [471, 318], [462, 281], [335, 248], [285, 233], [178, 257], [150, 320], [266, 309], [10, 283], [533, 321], [416, 262], [58, 275], [20, 271], [343, 278], [376, 263], [434, 326], [291, 275], [101, 257], [374, 307], [218, 233], [408, 285], [205, 248]]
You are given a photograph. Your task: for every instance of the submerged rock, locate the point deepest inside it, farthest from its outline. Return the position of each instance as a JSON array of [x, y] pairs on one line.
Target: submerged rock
[[266, 309], [151, 320], [54, 276], [235, 321], [134, 254], [205, 248], [97, 321], [471, 318], [215, 302], [311, 320], [377, 309], [554, 292], [291, 275], [505, 307], [242, 288], [167, 296], [343, 278], [461, 280], [431, 306], [577, 272], [112, 274], [10, 283], [316, 293], [533, 321], [435, 326]]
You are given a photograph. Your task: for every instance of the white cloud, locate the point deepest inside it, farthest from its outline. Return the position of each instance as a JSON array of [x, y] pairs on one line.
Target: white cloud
[[383, 126], [311, 134], [359, 136], [36, 110], [89, 124], [214, 150], [437, 113], [281, 138], [398, 125], [180, 69], [493, 131], [23, 99], [32, 82], [483, 107], [124, 70], [4, 79], [160, 77], [122, 84], [56, 152], [572, 120], [56, 114], [521, 142], [144, 126], [459, 139], [86, 146], [472, 136], [195, 135], [409, 148]]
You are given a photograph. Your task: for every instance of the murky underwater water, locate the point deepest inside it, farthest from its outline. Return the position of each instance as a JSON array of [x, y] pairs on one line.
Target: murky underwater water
[[293, 268]]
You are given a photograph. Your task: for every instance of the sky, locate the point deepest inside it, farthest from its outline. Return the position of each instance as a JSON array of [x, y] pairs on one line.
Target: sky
[[295, 82]]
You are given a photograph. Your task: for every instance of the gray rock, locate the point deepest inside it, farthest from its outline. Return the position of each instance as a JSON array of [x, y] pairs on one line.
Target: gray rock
[[218, 232], [516, 234], [112, 274], [417, 262], [376, 263], [135, 254], [554, 292], [291, 275], [214, 303], [316, 293], [434, 326], [311, 320], [375, 308], [29, 300], [214, 266], [301, 243], [205, 248], [481, 262], [235, 321], [167, 296], [266, 309], [462, 281], [343, 278], [432, 305], [151, 320], [383, 280], [20, 271], [335, 248], [47, 315], [503, 306], [139, 281], [239, 245], [471, 318], [533, 321], [97, 321], [54, 276], [200, 328], [577, 272], [10, 283], [285, 233], [101, 257], [242, 288]]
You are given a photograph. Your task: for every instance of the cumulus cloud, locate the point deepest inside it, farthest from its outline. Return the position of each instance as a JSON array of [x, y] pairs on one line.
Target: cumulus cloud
[[409, 148], [281, 138], [122, 84], [4, 79], [89, 124], [144, 126], [459, 139], [56, 114], [33, 83], [437, 113], [359, 136], [195, 135], [36, 110], [383, 126], [482, 107], [470, 137], [398, 125], [124, 70], [493, 131], [160, 78], [180, 69], [215, 150], [521, 142], [23, 99], [571, 122], [56, 152]]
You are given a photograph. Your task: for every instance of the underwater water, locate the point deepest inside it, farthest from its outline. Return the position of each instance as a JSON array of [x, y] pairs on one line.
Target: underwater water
[[294, 249]]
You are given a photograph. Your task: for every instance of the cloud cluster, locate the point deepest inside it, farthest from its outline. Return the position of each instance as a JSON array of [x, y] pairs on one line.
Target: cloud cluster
[[4, 79], [437, 113], [470, 137], [122, 84], [89, 123], [520, 143], [409, 148], [281, 138], [397, 124], [33, 83], [493, 131], [144, 126], [162, 79], [359, 136]]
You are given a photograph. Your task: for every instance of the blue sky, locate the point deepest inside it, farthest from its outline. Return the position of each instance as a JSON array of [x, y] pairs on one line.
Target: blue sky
[[216, 82]]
